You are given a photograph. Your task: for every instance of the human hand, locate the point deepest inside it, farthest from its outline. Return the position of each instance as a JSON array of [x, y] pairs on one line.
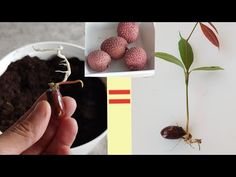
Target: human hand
[[36, 132]]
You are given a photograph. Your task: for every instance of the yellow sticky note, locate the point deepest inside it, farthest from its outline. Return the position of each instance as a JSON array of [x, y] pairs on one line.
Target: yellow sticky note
[[119, 115]]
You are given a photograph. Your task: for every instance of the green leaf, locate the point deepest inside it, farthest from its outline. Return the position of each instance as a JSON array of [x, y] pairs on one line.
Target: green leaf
[[169, 58], [208, 68], [186, 52]]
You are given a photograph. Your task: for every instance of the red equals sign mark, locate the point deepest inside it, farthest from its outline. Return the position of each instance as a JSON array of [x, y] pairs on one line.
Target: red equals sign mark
[[119, 101]]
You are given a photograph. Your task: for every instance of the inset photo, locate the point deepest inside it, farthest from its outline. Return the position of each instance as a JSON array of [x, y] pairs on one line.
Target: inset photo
[[119, 49]]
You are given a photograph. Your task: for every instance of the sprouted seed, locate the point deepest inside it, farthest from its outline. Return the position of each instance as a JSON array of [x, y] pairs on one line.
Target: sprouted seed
[[187, 57], [53, 93]]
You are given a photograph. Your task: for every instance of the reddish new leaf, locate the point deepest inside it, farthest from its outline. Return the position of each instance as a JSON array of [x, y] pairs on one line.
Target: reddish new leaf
[[213, 26], [210, 35]]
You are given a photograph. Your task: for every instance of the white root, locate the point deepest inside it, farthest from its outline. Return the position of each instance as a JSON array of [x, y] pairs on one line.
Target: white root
[[189, 140], [64, 62]]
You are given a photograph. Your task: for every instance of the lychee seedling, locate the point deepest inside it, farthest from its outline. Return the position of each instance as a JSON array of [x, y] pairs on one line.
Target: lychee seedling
[[187, 58]]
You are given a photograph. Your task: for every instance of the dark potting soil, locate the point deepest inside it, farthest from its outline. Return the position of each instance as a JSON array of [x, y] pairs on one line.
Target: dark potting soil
[[26, 79]]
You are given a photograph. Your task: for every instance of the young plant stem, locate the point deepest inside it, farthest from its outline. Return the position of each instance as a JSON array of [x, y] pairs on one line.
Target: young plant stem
[[187, 100], [186, 87], [192, 31]]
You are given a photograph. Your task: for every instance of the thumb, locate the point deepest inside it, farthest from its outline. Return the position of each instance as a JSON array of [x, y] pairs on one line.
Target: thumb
[[25, 132]]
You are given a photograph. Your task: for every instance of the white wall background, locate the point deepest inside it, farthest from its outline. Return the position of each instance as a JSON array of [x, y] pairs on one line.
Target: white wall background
[[160, 101]]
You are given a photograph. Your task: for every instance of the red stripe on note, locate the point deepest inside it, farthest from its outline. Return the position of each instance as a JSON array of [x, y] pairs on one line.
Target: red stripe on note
[[119, 101], [117, 92]]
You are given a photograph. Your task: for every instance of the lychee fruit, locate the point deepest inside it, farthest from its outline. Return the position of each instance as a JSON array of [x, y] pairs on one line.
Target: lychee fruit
[[98, 60], [115, 47], [136, 58], [128, 30]]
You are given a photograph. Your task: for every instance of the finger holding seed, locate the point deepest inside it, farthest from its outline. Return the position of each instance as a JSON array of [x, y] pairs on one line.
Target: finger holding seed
[[54, 96]]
